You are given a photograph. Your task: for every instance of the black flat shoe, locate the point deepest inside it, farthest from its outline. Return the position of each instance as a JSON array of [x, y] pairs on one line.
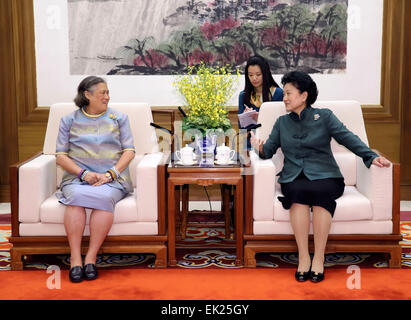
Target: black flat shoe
[[76, 274], [90, 271], [302, 276], [316, 277]]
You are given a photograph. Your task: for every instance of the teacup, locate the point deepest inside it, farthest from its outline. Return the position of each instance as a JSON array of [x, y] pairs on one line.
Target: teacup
[[185, 155], [224, 154]]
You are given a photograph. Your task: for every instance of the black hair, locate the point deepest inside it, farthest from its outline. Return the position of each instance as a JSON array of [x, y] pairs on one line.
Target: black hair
[[86, 84], [268, 80], [304, 83]]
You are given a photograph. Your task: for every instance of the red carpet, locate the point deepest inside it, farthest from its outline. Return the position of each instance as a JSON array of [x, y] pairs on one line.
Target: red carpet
[[208, 284], [209, 274]]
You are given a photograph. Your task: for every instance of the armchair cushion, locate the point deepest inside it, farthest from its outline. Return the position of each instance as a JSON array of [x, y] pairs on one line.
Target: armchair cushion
[[52, 211], [117, 229], [146, 187], [37, 181], [264, 187], [376, 184], [351, 206]]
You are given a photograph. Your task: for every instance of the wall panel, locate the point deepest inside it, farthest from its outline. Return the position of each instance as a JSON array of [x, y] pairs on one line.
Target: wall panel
[[8, 105], [406, 109]]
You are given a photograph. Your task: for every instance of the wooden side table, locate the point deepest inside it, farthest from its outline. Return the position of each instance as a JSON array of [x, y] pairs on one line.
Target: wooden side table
[[205, 176]]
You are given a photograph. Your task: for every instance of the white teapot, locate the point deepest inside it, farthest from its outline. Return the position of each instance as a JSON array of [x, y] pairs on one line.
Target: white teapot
[[185, 155], [224, 154]]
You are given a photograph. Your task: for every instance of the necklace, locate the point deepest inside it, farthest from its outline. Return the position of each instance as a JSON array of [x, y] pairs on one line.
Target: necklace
[[92, 115]]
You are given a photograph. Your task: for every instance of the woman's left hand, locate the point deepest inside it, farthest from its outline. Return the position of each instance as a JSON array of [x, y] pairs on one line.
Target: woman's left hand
[[102, 179], [381, 162]]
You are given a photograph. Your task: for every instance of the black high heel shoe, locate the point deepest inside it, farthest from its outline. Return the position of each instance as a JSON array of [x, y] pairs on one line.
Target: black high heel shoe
[[90, 271], [302, 276], [316, 276], [76, 274]]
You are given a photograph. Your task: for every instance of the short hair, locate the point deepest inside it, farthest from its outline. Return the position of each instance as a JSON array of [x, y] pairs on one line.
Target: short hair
[[303, 82], [87, 84], [268, 80]]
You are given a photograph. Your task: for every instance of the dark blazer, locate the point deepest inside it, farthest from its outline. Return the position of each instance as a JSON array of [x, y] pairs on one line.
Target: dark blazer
[[305, 142]]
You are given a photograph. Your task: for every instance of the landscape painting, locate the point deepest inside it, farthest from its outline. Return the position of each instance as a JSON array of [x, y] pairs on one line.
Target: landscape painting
[[152, 37]]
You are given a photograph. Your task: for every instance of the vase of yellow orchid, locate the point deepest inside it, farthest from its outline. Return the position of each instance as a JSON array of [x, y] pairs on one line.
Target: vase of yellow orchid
[[206, 91]]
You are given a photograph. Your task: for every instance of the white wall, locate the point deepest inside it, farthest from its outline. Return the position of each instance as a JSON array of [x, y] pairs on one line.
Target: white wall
[[361, 81]]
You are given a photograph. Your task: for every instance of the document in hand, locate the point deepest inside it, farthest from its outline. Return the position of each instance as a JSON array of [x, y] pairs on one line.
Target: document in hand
[[247, 118]]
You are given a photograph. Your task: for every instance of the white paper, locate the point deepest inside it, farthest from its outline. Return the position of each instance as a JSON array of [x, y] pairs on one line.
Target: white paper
[[247, 118]]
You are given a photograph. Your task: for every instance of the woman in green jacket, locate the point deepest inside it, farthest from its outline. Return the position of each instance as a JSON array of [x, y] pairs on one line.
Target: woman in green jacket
[[310, 177]]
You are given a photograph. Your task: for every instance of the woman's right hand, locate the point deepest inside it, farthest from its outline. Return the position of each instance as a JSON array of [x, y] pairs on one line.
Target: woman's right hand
[[256, 143], [247, 109], [90, 177], [102, 179]]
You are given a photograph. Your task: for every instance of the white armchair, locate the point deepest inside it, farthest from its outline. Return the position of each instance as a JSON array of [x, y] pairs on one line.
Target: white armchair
[[139, 219], [367, 214]]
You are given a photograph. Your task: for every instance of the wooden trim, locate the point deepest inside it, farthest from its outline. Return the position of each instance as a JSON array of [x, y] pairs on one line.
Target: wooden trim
[[396, 177], [391, 247], [248, 204], [8, 94], [14, 199], [331, 237], [391, 70], [405, 151], [161, 198], [391, 66], [25, 62], [112, 244]]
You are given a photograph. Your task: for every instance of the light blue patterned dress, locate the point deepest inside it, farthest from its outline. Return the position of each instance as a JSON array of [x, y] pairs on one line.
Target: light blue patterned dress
[[95, 143]]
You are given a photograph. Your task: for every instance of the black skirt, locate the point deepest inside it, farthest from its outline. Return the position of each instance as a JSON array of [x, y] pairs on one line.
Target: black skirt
[[321, 193]]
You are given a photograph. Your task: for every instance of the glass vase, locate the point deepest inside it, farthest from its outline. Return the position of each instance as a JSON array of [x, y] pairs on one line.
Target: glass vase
[[206, 145]]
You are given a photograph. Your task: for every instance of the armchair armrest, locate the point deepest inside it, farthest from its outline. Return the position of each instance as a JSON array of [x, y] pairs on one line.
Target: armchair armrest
[[36, 182], [377, 185], [264, 172], [147, 187]]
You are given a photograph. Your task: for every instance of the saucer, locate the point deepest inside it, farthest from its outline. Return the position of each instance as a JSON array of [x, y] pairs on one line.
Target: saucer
[[180, 163], [226, 163]]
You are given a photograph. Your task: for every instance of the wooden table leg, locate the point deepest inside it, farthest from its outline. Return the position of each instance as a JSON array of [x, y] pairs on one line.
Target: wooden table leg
[[226, 207], [184, 211], [171, 225], [239, 222]]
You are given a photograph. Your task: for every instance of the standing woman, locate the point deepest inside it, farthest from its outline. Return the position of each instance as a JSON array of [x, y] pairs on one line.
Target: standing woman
[[260, 86], [311, 178], [94, 147]]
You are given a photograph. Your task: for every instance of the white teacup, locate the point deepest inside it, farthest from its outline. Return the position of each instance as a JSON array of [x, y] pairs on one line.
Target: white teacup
[[185, 155], [224, 154]]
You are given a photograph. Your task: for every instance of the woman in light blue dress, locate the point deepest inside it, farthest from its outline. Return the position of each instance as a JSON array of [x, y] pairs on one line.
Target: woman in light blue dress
[[94, 147]]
